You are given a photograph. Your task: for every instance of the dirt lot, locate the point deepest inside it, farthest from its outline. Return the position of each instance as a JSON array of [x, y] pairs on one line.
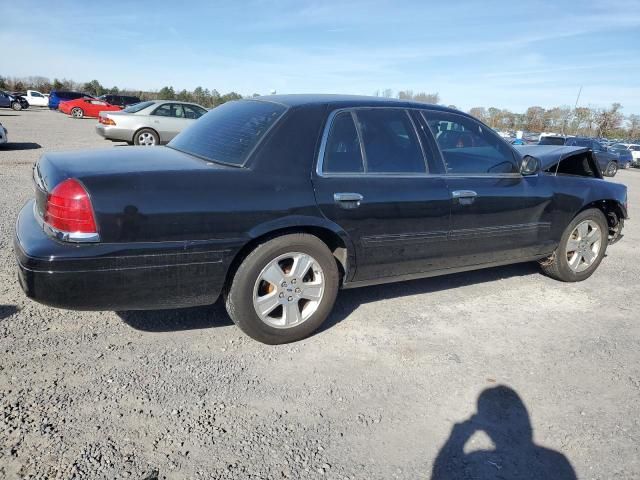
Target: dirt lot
[[395, 374]]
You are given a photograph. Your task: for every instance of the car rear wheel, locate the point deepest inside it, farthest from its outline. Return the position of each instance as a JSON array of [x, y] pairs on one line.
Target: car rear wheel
[[146, 137], [581, 249], [612, 169], [17, 106], [284, 289], [77, 112]]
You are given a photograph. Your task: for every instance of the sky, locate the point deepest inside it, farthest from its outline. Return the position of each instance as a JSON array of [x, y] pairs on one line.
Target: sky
[[507, 54]]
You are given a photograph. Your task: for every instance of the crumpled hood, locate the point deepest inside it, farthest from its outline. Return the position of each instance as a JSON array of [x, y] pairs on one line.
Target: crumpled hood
[[548, 155]]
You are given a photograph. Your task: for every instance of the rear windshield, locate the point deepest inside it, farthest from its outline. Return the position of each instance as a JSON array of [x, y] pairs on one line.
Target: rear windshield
[[137, 107], [551, 141], [228, 133]]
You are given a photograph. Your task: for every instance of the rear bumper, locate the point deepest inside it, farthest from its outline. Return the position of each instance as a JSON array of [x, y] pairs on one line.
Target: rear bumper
[[114, 133], [123, 276]]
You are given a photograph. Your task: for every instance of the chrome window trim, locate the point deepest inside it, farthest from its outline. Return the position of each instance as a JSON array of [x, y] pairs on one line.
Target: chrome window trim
[[353, 110], [327, 131]]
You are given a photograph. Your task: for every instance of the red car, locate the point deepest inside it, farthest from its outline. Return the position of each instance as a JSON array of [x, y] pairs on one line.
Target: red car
[[86, 107]]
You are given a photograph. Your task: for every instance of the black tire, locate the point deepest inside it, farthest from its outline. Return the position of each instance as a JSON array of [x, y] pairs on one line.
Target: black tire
[[77, 112], [557, 266], [145, 131], [17, 106], [239, 294], [612, 169]]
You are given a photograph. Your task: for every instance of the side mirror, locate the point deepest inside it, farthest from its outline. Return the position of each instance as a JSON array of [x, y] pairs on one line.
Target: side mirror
[[530, 165]]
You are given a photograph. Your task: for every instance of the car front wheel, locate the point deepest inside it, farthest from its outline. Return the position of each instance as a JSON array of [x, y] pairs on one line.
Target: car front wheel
[[16, 106], [284, 289], [581, 249], [77, 112]]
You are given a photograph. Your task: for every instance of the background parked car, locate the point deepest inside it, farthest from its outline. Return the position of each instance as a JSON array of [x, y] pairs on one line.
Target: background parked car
[[35, 98], [149, 123], [86, 107], [632, 148], [57, 96], [9, 101], [3, 135], [120, 100]]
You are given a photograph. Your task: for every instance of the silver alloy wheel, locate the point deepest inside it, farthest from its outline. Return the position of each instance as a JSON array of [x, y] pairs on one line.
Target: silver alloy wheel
[[77, 113], [147, 139], [288, 290], [612, 169], [17, 106], [583, 245]]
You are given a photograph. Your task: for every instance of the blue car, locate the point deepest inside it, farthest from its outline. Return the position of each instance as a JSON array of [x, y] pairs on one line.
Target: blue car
[[57, 96]]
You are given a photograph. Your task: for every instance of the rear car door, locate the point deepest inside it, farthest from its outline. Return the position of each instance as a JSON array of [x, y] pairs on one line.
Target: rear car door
[[497, 214], [168, 120], [374, 178]]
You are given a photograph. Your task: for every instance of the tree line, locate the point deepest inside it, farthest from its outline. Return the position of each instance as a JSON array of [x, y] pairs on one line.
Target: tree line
[[588, 121], [584, 121], [202, 96]]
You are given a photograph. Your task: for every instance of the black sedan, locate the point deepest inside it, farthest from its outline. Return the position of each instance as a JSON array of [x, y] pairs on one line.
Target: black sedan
[[10, 100], [277, 203]]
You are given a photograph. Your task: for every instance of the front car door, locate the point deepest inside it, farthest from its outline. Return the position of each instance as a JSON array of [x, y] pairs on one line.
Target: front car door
[[374, 179], [497, 215], [5, 101]]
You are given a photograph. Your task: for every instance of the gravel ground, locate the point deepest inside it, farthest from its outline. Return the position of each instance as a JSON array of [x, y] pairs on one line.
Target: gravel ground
[[376, 394]]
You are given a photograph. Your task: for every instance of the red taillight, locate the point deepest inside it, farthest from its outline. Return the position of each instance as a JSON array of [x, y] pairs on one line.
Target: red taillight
[[106, 121], [69, 208]]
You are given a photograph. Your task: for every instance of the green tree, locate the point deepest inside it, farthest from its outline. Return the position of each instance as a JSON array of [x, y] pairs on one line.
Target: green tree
[[93, 88], [167, 93]]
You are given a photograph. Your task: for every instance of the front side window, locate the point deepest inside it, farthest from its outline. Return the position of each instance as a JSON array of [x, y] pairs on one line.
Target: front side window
[[36, 94], [173, 110], [342, 151], [468, 147], [229, 133], [390, 141]]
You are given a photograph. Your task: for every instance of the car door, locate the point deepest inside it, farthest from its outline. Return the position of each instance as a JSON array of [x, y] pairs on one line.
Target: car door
[[497, 214], [602, 155], [4, 100], [373, 181], [168, 120]]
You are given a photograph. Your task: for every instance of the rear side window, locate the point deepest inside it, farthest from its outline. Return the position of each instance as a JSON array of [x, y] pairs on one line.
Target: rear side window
[[342, 152], [468, 147], [229, 133], [390, 142]]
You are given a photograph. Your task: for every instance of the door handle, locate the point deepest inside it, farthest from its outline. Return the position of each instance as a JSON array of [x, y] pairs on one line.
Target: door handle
[[464, 197], [348, 199]]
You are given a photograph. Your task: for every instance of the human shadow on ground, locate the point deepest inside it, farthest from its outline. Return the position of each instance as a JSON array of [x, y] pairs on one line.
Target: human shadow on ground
[[503, 416], [348, 300], [7, 311]]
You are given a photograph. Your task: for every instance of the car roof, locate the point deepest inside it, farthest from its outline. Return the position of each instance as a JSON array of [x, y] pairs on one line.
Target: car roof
[[337, 100]]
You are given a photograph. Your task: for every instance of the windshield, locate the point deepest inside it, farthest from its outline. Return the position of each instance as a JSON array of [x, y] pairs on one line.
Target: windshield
[[136, 107], [579, 142], [228, 133]]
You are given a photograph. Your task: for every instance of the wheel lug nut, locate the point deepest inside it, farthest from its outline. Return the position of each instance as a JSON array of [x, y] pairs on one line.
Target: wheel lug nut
[[281, 295], [298, 290], [293, 281], [284, 284], [290, 299]]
